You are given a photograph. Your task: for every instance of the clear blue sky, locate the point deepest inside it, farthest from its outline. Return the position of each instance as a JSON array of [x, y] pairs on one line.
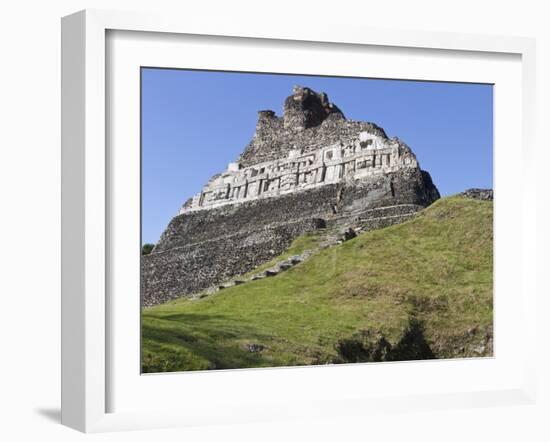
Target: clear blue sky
[[195, 122]]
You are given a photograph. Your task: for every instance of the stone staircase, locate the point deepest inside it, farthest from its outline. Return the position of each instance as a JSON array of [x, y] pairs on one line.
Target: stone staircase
[[338, 230], [274, 270]]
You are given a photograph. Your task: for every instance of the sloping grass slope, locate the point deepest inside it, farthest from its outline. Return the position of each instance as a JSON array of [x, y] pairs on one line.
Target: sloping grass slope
[[419, 289]]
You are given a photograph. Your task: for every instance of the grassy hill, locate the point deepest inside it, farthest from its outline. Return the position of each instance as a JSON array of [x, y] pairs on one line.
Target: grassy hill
[[421, 289]]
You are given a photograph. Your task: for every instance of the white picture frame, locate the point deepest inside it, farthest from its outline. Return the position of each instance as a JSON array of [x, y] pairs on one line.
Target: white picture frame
[[87, 355]]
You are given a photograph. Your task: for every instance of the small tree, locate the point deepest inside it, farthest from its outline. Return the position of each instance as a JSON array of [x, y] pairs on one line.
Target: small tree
[[147, 248]]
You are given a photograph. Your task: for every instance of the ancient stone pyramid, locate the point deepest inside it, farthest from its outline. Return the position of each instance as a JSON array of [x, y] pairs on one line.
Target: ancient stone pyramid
[[310, 169]]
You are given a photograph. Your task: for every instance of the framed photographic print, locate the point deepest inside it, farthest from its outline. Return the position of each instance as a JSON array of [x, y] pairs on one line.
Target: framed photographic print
[[271, 223], [252, 271]]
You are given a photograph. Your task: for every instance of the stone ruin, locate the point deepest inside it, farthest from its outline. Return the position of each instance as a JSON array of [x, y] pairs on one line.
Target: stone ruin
[[478, 194], [310, 169]]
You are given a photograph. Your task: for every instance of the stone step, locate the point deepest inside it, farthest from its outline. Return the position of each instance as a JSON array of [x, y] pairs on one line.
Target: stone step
[[379, 223], [345, 233]]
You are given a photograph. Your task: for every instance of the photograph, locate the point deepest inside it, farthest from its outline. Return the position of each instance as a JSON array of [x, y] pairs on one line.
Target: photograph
[[306, 220]]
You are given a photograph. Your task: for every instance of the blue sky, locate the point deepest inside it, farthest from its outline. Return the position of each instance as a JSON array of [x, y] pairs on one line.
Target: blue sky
[[195, 122]]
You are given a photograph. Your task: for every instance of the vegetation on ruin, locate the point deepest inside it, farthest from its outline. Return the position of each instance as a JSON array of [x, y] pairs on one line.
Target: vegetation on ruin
[[414, 290], [147, 248]]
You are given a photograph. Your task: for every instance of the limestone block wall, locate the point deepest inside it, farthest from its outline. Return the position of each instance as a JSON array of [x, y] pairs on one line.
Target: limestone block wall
[[220, 222], [188, 269], [407, 186]]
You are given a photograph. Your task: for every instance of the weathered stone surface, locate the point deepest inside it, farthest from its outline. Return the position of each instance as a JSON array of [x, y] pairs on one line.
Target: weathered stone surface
[[309, 122], [311, 146], [190, 268], [479, 194], [322, 172]]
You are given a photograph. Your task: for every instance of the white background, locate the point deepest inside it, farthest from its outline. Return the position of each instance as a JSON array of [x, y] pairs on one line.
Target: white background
[[30, 216]]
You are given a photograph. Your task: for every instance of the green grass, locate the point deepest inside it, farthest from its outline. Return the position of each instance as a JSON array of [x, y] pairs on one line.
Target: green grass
[[435, 270]]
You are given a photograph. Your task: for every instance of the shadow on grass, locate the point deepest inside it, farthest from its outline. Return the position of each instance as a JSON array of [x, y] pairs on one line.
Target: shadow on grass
[[371, 346], [182, 342]]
